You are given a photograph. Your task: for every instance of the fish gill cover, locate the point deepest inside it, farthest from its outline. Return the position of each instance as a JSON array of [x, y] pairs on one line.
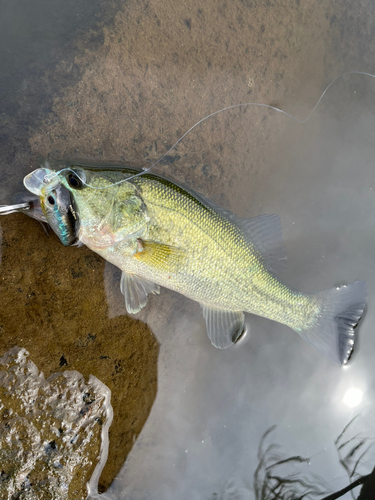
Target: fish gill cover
[[53, 432]]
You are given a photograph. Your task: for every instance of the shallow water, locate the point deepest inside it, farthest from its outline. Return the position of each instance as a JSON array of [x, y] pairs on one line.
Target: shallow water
[[124, 86]]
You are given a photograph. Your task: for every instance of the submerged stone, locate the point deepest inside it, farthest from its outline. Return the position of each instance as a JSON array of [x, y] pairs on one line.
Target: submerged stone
[[53, 432]]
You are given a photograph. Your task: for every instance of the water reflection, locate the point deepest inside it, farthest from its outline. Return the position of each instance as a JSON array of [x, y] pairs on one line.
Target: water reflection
[[279, 477], [270, 482]]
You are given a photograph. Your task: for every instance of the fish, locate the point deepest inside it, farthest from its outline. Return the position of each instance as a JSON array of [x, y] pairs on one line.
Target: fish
[[161, 234]]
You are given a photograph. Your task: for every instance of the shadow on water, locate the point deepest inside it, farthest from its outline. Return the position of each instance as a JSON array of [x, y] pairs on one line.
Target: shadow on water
[[44, 306]]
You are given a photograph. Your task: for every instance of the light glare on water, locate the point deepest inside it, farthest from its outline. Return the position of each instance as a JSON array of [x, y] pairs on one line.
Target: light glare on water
[[353, 397]]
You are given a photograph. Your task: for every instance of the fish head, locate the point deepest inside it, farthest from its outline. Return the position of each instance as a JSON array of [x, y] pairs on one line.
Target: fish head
[[55, 204], [94, 204]]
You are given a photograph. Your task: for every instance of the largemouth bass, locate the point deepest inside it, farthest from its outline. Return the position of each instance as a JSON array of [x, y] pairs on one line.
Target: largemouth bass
[[161, 234]]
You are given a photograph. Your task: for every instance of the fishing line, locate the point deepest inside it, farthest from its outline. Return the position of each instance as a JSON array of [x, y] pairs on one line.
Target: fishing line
[[261, 105]]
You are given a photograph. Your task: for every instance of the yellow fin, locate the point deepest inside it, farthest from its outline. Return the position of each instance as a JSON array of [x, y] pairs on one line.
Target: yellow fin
[[158, 255]]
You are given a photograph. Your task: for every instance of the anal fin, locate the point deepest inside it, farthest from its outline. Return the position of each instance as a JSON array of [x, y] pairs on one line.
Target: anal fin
[[135, 290], [223, 327]]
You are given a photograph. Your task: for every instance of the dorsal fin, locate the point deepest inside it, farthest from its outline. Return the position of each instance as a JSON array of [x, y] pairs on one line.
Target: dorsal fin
[[266, 234]]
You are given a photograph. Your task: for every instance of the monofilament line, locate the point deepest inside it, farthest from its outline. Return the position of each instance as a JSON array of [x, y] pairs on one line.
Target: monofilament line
[[260, 105]]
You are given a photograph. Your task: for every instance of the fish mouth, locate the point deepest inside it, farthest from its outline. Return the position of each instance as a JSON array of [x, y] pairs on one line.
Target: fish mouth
[[64, 222]]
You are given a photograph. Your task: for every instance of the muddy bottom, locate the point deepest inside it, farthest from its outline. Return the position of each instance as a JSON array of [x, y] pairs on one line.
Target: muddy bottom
[[54, 305]]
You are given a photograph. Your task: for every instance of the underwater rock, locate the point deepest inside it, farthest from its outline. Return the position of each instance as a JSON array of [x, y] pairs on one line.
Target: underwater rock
[[53, 433]]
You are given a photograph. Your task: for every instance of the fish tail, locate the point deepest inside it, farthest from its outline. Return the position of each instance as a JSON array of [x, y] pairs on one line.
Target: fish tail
[[334, 333]]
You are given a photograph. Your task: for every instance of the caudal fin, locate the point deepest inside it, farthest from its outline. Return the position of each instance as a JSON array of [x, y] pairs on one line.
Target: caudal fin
[[334, 334]]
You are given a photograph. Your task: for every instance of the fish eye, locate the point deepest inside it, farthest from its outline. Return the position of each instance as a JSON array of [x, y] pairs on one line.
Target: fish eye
[[51, 200], [74, 181]]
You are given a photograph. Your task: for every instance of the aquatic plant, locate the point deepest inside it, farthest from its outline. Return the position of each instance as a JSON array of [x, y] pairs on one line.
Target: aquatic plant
[[347, 451], [269, 484]]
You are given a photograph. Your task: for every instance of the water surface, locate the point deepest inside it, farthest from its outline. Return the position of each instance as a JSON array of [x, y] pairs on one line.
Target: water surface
[[125, 90]]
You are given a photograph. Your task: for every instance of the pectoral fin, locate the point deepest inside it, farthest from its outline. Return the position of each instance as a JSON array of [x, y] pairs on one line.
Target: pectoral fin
[[223, 327], [135, 291], [158, 255]]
